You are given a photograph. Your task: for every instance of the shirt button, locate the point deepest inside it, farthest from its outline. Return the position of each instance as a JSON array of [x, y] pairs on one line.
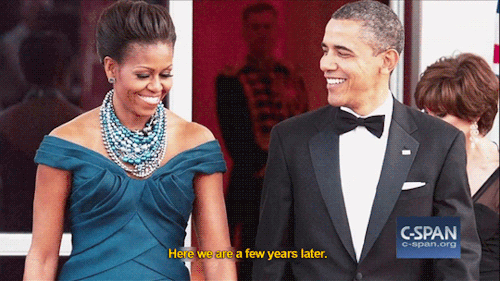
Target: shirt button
[[359, 276]]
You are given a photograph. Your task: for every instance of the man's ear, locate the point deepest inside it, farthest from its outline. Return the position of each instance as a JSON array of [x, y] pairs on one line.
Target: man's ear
[[390, 60], [110, 67]]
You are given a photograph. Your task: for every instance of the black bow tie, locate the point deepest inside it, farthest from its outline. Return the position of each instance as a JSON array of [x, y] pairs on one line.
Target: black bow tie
[[346, 122]]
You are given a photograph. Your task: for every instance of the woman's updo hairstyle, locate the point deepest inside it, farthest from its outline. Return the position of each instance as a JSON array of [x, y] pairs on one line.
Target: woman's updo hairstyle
[[126, 22]]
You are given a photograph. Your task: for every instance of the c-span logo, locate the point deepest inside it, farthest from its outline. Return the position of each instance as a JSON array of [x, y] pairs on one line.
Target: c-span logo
[[428, 238]]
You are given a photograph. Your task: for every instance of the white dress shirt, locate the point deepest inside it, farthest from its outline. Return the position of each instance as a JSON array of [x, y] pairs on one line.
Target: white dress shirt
[[361, 155]]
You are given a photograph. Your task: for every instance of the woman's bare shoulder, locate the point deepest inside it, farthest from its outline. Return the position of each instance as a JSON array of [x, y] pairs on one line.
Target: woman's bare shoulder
[[188, 134], [81, 129]]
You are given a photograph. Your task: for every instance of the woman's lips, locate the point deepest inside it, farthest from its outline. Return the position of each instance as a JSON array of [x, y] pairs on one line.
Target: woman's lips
[[150, 100]]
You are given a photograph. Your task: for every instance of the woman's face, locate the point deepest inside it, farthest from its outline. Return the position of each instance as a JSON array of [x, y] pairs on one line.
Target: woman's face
[[462, 125], [143, 78]]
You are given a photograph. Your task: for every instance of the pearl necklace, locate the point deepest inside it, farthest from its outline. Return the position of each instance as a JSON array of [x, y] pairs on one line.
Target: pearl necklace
[[143, 149]]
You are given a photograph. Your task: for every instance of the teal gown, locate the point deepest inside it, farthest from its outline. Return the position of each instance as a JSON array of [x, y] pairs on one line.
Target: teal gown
[[122, 228]]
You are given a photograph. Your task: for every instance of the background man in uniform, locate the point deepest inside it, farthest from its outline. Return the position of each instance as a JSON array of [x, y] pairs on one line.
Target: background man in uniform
[[251, 99]]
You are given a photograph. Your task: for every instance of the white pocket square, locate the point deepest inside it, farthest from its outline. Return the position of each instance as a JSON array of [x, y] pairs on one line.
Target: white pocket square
[[412, 185]]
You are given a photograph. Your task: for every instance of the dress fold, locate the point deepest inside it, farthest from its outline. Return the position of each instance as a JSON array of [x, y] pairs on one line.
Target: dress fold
[[123, 228]]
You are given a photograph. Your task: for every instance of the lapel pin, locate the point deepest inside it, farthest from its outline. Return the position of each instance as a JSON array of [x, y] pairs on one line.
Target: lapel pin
[[406, 152]]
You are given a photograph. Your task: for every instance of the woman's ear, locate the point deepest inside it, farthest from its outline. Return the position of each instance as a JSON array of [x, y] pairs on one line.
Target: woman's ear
[[390, 60], [110, 67]]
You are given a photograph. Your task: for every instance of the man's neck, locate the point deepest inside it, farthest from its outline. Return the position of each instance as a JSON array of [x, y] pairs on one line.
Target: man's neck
[[372, 103], [261, 60]]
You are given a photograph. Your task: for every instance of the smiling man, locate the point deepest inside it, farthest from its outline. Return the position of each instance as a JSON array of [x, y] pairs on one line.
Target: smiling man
[[338, 178]]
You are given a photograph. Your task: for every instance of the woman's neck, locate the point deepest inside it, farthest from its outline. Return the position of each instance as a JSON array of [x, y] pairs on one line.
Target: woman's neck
[[127, 117], [481, 149], [482, 161], [132, 121]]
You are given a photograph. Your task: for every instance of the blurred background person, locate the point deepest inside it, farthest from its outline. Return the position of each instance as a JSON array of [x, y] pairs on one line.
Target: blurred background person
[[34, 17], [251, 98], [45, 63], [463, 91], [68, 24], [28, 17]]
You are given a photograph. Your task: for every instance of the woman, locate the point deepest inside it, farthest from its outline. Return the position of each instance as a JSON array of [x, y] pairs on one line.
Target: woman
[[463, 91], [133, 171]]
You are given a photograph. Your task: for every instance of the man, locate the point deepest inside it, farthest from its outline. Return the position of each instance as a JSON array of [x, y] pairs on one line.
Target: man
[[337, 188], [251, 99]]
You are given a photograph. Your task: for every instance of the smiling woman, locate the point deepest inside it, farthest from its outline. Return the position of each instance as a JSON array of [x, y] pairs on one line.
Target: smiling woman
[[133, 170], [142, 80]]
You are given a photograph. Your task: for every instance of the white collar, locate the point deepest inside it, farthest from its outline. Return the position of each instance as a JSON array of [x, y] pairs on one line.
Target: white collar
[[385, 109]]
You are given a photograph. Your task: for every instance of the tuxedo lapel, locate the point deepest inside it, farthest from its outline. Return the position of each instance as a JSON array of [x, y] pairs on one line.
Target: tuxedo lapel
[[400, 153], [324, 148]]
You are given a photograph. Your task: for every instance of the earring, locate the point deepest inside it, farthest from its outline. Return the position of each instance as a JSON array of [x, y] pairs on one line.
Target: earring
[[474, 132], [111, 80]]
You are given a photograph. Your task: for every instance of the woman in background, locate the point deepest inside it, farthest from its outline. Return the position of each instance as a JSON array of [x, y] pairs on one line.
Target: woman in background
[[463, 91], [132, 170]]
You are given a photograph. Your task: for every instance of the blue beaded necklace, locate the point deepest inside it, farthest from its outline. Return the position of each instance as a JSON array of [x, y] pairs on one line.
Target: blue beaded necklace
[[143, 149]]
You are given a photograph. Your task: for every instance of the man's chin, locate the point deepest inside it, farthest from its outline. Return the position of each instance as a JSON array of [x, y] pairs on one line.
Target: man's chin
[[335, 101]]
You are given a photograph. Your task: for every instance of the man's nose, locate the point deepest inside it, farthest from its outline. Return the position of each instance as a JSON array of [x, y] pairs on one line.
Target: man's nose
[[328, 62]]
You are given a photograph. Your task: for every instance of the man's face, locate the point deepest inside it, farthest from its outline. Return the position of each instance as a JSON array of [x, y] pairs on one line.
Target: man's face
[[352, 71], [259, 32]]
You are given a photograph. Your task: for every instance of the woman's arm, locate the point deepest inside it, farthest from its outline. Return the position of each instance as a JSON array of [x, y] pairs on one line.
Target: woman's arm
[[210, 221], [51, 192]]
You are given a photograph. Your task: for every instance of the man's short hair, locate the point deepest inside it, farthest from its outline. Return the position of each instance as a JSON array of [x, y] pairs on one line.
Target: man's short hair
[[258, 8], [381, 26]]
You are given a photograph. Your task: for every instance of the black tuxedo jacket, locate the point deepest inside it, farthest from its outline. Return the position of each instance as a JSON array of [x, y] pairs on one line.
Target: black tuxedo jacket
[[302, 204]]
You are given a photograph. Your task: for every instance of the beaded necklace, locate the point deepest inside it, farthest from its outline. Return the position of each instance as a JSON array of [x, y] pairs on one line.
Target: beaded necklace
[[143, 149]]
